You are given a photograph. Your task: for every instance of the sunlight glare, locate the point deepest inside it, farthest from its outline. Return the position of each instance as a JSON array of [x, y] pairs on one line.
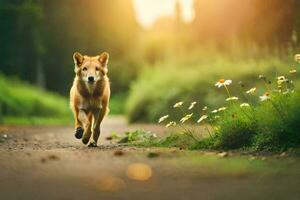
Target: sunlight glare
[[148, 11]]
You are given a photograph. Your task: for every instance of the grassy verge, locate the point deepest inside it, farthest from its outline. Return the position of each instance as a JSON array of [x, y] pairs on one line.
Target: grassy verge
[[259, 118], [21, 103], [272, 125], [24, 104]]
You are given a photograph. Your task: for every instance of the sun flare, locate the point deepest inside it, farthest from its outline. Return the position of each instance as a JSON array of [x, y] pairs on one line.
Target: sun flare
[[148, 11]]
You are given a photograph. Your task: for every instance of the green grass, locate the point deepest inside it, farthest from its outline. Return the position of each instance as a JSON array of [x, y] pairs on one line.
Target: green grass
[[272, 125], [190, 77], [21, 103]]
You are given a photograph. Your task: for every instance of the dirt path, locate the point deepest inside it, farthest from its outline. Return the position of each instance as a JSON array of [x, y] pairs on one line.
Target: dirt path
[[49, 163]]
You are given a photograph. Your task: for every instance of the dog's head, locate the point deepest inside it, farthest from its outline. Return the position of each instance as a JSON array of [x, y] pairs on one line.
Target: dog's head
[[91, 69]]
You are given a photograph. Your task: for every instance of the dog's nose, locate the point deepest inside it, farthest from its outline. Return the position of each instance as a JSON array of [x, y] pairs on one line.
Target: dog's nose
[[91, 79]]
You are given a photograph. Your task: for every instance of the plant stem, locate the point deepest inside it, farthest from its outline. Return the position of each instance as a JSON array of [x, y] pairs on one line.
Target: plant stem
[[208, 131], [267, 87], [228, 93], [188, 131]]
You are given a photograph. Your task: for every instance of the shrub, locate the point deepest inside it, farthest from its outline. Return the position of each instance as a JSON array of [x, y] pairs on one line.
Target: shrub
[[188, 78], [21, 100]]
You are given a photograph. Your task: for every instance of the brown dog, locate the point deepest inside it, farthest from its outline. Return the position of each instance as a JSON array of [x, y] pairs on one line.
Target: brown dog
[[89, 96]]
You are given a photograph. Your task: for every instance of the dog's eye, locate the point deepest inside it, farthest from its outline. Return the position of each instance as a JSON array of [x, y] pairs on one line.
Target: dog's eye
[[84, 69], [97, 68]]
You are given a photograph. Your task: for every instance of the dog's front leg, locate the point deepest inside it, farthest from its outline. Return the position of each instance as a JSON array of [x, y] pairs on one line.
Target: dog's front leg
[[87, 131], [83, 122], [98, 115]]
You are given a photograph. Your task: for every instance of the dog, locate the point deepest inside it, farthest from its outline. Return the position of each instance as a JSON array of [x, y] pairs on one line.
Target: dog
[[89, 96]]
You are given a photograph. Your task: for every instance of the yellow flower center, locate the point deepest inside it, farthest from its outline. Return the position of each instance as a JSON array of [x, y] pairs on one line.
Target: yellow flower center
[[222, 81], [267, 94]]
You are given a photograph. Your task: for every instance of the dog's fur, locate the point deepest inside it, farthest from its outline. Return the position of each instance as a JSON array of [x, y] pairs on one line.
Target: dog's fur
[[89, 99]]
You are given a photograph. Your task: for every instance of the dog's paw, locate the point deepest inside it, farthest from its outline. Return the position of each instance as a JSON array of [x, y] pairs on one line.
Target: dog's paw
[[79, 133], [85, 140], [92, 144]]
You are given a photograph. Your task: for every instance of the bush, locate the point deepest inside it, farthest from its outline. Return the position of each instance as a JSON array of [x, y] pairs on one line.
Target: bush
[[187, 78], [21, 100], [279, 123], [235, 133]]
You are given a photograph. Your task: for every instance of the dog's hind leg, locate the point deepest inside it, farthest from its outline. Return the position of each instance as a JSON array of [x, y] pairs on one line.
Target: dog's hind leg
[[98, 117]]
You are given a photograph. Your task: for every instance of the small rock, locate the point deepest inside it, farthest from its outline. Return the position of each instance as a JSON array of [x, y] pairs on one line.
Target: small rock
[[283, 154], [109, 138], [152, 155], [4, 136], [43, 160], [53, 157], [119, 153], [223, 154], [252, 158]]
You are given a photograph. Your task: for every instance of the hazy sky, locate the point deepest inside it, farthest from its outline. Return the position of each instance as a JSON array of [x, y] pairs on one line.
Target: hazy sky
[[147, 11]]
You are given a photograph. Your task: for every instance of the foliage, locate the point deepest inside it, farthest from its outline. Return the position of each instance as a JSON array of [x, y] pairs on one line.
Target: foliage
[[269, 121], [23, 103], [38, 39], [137, 136], [188, 76]]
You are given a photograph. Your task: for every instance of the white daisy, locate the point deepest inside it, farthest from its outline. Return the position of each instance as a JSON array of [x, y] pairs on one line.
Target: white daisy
[[265, 96], [232, 99], [297, 58], [185, 118], [223, 82], [244, 105], [178, 104], [163, 118], [251, 91], [203, 117], [192, 105], [281, 79], [222, 109], [172, 123], [293, 71]]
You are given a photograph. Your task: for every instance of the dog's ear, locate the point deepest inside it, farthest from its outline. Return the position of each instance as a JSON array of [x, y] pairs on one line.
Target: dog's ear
[[78, 59], [103, 58]]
